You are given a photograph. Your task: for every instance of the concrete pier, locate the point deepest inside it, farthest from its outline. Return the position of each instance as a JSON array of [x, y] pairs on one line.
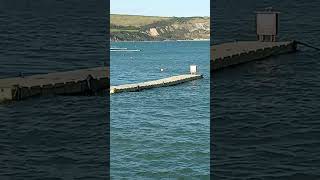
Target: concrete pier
[[170, 81], [84, 81], [234, 53]]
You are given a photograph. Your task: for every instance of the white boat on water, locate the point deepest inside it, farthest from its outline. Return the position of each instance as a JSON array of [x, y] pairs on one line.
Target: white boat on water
[[115, 49]]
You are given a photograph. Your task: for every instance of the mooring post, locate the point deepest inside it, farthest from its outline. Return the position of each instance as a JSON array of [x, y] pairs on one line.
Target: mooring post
[[89, 81], [17, 93], [193, 69]]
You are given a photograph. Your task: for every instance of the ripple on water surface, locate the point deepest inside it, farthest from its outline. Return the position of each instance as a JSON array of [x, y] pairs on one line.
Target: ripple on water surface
[[265, 116]]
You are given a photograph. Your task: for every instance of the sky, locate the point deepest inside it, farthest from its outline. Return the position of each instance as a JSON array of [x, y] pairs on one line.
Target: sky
[[178, 8]]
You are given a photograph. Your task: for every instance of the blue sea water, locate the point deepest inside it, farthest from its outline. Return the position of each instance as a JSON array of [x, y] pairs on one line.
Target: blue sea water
[[53, 137], [164, 132], [265, 114]]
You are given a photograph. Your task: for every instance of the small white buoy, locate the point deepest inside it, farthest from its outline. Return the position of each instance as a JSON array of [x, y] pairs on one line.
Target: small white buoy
[[193, 69], [161, 69]]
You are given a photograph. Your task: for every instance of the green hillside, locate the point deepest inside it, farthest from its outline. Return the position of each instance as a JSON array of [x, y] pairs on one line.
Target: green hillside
[[134, 20], [146, 28]]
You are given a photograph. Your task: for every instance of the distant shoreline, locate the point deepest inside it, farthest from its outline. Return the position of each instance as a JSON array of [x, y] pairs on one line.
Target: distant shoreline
[[196, 40]]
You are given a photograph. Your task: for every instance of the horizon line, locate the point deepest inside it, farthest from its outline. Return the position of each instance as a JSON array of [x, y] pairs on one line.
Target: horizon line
[[154, 15]]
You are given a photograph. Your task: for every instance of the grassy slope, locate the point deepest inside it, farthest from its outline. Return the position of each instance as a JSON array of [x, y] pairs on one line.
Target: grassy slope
[[123, 30], [134, 20]]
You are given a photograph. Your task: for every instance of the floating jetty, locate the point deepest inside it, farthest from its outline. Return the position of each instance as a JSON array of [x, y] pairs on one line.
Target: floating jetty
[[239, 52], [170, 81], [235, 53], [83, 81]]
